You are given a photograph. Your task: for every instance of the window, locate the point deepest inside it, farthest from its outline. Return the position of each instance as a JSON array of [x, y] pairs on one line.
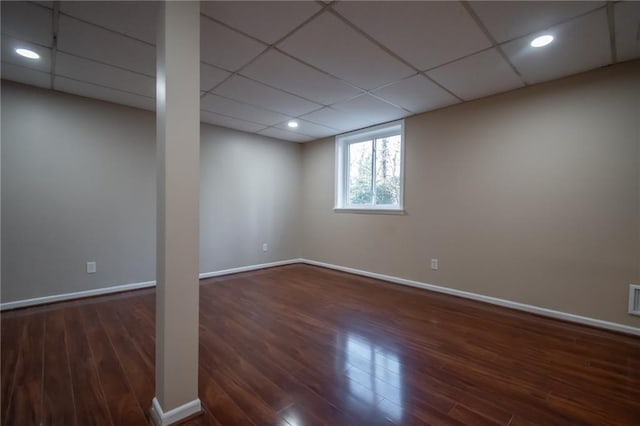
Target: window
[[369, 169]]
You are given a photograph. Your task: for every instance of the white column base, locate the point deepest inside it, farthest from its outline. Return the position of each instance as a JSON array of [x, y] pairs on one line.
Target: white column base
[[160, 418]]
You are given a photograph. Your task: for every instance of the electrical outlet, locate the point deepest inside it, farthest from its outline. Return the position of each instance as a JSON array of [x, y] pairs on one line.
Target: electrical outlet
[[265, 247], [434, 264], [91, 267]]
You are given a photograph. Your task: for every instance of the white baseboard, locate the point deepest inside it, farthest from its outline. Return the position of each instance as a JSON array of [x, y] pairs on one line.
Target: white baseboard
[[248, 268], [468, 295], [75, 295], [161, 418], [487, 299], [128, 287]]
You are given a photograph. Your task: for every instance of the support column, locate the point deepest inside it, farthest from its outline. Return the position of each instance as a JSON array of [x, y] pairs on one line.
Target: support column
[[178, 193]]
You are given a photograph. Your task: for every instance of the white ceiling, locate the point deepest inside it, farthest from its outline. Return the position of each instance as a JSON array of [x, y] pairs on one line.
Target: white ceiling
[[335, 66]]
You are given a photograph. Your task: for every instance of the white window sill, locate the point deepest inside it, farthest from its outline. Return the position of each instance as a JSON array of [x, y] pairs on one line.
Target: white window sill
[[368, 210]]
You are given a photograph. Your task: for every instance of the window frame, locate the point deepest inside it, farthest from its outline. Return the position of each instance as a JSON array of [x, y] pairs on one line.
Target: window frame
[[343, 141]]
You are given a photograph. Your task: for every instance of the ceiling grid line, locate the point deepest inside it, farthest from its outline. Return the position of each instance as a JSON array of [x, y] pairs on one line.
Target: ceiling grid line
[[268, 46], [388, 51], [256, 77], [494, 43], [611, 21], [129, 36], [55, 26]]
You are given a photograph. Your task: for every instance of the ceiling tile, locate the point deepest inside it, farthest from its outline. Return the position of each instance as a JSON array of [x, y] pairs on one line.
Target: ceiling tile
[[372, 109], [110, 95], [133, 18], [417, 94], [334, 47], [229, 107], [507, 20], [249, 91], [232, 123], [95, 43], [482, 74], [224, 47], [279, 70], [627, 19], [266, 20], [211, 76], [285, 135], [26, 75], [424, 33], [104, 75], [9, 55], [338, 119], [27, 21], [309, 129], [579, 45]]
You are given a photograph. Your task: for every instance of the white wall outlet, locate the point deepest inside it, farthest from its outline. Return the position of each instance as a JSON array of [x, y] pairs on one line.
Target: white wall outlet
[[91, 267], [434, 264], [265, 247]]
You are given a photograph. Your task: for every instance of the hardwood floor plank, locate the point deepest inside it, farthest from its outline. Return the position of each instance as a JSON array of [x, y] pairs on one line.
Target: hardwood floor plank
[[123, 406], [91, 405], [12, 338], [139, 373], [305, 345], [58, 389], [25, 402]]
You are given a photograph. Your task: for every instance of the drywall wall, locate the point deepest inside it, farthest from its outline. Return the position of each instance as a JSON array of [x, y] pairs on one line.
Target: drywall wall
[[78, 185], [531, 196]]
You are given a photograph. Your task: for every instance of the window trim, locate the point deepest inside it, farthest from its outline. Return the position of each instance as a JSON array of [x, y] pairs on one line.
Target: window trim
[[342, 166]]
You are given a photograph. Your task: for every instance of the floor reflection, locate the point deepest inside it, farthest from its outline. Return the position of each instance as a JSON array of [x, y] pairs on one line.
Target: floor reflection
[[374, 376]]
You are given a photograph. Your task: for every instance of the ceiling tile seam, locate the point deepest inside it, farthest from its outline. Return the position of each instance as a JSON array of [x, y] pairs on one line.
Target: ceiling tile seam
[[55, 26], [215, 66], [304, 119], [23, 66], [252, 105], [328, 74], [108, 29], [273, 46], [268, 46], [326, 7], [283, 130], [611, 21], [555, 24], [84, 58], [104, 86], [319, 12], [33, 3], [280, 90], [474, 16], [380, 98], [468, 55], [235, 118], [529, 34], [236, 72], [386, 49], [107, 64], [229, 27], [35, 43]]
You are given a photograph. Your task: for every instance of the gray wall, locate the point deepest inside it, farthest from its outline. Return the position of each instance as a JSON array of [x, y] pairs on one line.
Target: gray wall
[[78, 184], [530, 196]]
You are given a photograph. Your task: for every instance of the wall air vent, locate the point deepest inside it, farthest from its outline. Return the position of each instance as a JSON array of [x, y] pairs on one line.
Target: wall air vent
[[634, 299]]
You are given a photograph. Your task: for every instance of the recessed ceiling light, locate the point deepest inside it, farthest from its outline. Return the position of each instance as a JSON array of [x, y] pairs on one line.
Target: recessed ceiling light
[[27, 53], [543, 40], [293, 124]]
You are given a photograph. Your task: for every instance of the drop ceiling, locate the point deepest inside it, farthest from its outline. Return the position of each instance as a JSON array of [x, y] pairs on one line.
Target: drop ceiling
[[333, 66]]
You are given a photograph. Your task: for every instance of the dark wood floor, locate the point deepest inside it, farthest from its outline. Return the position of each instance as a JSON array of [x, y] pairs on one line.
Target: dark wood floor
[[300, 345]]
